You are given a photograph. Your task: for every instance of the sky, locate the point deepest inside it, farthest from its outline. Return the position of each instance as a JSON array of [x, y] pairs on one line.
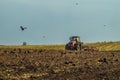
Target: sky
[[54, 21]]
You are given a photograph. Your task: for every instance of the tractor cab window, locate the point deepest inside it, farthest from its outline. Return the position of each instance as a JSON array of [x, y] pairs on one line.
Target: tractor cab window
[[74, 39]]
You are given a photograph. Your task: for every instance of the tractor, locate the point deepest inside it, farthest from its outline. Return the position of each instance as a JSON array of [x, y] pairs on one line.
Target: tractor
[[76, 44]]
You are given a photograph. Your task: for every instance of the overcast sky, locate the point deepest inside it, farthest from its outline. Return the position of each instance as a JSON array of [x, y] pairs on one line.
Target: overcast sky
[[53, 21]]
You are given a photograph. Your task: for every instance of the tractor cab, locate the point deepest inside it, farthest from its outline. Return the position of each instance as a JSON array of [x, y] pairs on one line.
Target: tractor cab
[[75, 38], [74, 43]]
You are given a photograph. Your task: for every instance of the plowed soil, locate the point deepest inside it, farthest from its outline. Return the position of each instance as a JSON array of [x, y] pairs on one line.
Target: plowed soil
[[41, 64]]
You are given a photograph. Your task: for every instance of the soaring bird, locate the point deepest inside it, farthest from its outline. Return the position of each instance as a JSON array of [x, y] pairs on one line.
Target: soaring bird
[[105, 25], [43, 36], [23, 28], [76, 3]]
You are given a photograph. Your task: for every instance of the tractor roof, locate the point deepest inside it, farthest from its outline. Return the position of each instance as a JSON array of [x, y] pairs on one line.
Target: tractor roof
[[75, 36]]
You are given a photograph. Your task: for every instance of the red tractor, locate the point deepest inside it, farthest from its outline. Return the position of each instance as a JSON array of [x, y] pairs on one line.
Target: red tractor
[[74, 44]]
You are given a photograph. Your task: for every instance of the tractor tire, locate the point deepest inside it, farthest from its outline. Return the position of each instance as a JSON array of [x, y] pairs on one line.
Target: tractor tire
[[77, 47], [66, 47]]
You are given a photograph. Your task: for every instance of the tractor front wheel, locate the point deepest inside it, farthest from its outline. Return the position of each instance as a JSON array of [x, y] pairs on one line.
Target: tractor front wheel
[[66, 47]]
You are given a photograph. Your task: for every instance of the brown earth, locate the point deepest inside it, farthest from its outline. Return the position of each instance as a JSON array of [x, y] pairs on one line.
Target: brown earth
[[39, 64]]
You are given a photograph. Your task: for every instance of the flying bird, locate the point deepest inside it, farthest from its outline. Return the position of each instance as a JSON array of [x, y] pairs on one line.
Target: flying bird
[[23, 28], [105, 25], [43, 36], [76, 4]]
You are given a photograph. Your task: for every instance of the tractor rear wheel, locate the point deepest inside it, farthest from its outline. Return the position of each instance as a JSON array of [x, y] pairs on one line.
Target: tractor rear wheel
[[77, 48]]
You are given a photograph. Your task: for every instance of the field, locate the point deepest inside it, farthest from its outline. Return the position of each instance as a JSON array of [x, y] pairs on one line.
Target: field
[[52, 62]]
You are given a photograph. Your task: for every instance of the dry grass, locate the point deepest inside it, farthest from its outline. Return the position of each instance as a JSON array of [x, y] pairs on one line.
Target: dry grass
[[106, 46], [47, 47], [102, 46]]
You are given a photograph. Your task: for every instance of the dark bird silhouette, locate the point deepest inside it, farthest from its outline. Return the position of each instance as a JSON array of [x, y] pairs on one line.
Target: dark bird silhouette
[[76, 4], [43, 36], [105, 25], [23, 28]]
